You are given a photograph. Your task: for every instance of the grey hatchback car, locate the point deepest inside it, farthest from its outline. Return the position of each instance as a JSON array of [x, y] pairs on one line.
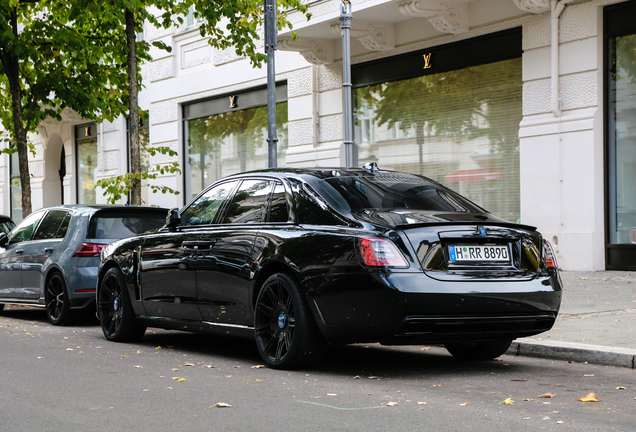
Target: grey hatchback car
[[50, 259]]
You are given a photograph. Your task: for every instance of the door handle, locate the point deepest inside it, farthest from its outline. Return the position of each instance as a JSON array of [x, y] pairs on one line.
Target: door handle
[[49, 250], [19, 251], [198, 244]]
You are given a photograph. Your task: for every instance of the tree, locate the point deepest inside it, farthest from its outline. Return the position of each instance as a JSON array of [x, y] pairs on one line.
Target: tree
[[53, 58], [231, 24]]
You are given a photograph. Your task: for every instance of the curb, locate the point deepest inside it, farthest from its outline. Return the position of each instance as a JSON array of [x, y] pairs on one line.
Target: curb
[[576, 352]]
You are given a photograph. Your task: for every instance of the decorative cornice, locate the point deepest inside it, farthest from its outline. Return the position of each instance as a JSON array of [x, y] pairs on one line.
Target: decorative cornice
[[447, 17], [373, 36], [315, 51], [534, 6]]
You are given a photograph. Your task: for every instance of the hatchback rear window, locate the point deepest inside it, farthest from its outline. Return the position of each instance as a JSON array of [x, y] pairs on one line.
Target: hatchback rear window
[[118, 224], [397, 191]]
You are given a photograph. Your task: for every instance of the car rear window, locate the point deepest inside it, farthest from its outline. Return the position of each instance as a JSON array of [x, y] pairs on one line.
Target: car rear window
[[395, 191], [121, 224]]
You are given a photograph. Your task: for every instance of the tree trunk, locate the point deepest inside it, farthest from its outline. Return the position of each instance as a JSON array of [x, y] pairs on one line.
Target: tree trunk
[[11, 69], [135, 157]]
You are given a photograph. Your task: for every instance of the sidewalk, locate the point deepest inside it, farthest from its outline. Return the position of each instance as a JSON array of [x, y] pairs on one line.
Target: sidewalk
[[597, 321]]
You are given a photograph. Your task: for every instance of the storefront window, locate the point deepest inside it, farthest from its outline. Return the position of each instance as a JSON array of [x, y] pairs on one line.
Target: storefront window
[[86, 144], [230, 142], [16, 189], [458, 127], [622, 139]]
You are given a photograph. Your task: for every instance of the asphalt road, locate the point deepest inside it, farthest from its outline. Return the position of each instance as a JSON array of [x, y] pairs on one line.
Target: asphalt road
[[72, 379]]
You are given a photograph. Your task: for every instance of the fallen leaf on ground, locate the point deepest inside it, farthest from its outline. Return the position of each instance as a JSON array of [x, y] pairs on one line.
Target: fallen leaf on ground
[[146, 390], [257, 367], [123, 356], [546, 403], [507, 402], [181, 379], [208, 366], [589, 375], [138, 367], [547, 395], [392, 404], [138, 351], [332, 394], [69, 349], [620, 388], [528, 400], [422, 403], [158, 347], [560, 422], [174, 369], [591, 397], [257, 380], [356, 377], [222, 405], [189, 364], [463, 404]]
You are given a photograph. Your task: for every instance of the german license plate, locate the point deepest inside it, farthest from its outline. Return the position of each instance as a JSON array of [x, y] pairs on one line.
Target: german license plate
[[479, 253]]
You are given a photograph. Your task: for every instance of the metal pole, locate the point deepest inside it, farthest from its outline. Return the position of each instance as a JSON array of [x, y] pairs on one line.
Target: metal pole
[[345, 28], [270, 48]]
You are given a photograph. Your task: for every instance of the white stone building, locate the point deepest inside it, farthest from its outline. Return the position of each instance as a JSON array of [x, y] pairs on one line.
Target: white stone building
[[528, 107]]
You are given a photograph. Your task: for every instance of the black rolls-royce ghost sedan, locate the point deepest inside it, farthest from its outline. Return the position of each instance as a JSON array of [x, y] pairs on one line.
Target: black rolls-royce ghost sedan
[[299, 258]]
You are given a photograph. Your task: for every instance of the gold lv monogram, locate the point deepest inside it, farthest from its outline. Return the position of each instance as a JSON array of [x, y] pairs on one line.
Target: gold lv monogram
[[87, 130], [427, 61], [232, 101]]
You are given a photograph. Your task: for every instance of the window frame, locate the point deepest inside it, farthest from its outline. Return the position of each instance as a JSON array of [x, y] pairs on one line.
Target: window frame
[[78, 141]]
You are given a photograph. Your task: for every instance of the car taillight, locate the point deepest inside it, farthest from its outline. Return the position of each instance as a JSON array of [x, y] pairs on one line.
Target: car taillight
[[377, 252], [550, 259], [632, 236], [89, 250]]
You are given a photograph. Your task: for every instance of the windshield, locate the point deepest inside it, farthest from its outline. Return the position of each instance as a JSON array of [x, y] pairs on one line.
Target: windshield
[[397, 191]]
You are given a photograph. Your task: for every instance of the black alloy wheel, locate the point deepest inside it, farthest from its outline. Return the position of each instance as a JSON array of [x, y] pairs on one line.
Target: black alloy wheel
[[286, 335], [479, 350], [115, 311], [58, 307]]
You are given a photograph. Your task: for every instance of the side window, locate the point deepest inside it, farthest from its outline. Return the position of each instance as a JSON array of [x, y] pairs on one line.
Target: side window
[[249, 204], [204, 209], [311, 207], [278, 208], [61, 232], [50, 225], [24, 231]]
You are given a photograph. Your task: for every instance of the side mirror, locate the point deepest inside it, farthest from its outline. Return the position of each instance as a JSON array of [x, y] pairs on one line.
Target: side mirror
[[173, 220], [4, 238]]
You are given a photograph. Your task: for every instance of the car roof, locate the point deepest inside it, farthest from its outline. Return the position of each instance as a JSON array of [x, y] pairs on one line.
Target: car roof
[[90, 209], [317, 172]]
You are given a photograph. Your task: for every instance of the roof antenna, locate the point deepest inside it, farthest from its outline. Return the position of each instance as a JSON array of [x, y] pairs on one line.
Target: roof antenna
[[371, 166]]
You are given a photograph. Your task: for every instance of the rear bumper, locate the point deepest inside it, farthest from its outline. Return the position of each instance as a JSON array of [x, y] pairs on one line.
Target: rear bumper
[[410, 308]]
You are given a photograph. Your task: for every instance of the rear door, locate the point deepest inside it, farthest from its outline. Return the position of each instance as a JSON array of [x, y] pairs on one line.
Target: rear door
[[225, 266], [38, 252], [11, 256]]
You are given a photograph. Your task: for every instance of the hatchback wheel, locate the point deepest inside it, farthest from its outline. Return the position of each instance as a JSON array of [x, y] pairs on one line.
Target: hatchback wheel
[[1, 306], [115, 311], [286, 335], [58, 308], [478, 351]]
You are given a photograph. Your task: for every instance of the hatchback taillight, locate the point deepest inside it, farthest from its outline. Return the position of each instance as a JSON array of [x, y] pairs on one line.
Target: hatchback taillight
[[550, 258], [89, 250], [377, 252]]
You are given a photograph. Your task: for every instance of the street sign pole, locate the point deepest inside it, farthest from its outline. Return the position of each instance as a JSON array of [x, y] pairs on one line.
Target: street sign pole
[[270, 48], [345, 28]]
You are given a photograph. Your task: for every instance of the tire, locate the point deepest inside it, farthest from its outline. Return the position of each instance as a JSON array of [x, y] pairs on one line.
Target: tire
[[1, 306], [58, 307], [286, 335], [478, 351], [115, 311]]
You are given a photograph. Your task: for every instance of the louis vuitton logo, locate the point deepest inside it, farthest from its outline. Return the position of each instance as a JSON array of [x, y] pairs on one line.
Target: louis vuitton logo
[[232, 101], [427, 61], [87, 130]]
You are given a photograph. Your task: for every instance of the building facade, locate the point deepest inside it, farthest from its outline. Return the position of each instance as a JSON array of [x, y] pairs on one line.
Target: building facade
[[527, 107]]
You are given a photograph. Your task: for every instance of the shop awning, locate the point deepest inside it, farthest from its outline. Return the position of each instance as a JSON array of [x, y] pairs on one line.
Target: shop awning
[[472, 175]]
